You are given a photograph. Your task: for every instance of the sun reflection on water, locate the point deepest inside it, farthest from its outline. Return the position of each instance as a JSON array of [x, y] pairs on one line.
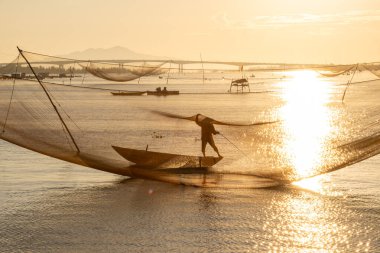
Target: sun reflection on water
[[306, 121], [305, 222], [320, 184]]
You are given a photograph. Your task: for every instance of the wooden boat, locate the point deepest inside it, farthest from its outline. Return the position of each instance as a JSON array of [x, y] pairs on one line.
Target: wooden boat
[[160, 160], [163, 93], [128, 93]]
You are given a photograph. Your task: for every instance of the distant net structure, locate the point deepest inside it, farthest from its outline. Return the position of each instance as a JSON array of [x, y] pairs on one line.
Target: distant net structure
[[322, 117]]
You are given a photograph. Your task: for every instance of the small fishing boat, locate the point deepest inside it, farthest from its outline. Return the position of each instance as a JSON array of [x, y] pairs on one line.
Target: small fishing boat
[[160, 160], [128, 93], [163, 92]]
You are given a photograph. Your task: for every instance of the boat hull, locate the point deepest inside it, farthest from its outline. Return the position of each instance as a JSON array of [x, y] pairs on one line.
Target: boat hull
[[127, 93], [165, 160]]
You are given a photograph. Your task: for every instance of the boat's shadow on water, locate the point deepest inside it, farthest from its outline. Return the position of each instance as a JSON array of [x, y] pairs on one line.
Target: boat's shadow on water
[[203, 177], [283, 188]]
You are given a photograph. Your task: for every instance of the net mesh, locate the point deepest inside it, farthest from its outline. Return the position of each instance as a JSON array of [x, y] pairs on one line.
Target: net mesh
[[333, 71], [122, 72], [78, 120], [374, 68]]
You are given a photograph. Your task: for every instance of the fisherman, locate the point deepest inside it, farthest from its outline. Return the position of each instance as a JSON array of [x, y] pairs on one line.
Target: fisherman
[[158, 89], [208, 130], [164, 90]]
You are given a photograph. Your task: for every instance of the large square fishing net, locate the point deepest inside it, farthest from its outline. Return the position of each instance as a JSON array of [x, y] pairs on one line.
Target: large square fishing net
[[277, 123]]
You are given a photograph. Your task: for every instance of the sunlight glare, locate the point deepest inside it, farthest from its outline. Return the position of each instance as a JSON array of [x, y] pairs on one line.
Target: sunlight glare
[[306, 120]]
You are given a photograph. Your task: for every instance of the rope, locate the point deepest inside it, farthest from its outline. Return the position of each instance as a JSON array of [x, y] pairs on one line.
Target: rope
[[349, 82], [10, 100], [234, 145], [51, 94], [50, 99]]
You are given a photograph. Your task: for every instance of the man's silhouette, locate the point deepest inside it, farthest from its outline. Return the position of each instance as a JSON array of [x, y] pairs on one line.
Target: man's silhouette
[[208, 130]]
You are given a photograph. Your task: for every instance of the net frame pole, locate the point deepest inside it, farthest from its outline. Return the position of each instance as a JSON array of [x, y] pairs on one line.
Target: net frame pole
[[203, 70], [51, 101], [348, 84]]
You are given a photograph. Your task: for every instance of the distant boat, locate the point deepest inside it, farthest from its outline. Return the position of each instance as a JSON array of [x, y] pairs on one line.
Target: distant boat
[[128, 93], [163, 92], [159, 160]]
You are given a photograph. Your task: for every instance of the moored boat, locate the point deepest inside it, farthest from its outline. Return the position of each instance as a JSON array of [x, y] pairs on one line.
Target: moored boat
[[163, 93], [128, 93]]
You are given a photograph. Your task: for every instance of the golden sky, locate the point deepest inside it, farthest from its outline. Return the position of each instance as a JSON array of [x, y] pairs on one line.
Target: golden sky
[[318, 31]]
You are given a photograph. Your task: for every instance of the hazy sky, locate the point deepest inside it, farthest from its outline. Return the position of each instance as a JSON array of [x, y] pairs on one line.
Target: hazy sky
[[321, 31]]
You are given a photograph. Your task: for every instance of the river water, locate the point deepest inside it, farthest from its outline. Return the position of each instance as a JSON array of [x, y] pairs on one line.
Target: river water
[[52, 206], [48, 205]]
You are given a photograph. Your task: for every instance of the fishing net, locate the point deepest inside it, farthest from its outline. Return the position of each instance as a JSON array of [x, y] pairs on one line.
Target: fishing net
[[333, 71], [69, 113], [121, 72], [374, 68]]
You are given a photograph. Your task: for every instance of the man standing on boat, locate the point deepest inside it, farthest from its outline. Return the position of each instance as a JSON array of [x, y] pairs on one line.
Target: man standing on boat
[[208, 130], [207, 126]]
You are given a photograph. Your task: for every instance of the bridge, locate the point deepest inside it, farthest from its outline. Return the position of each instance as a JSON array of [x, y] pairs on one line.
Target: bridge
[[61, 62]]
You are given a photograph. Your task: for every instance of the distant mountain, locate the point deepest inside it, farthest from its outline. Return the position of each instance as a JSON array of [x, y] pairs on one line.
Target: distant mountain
[[113, 53]]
